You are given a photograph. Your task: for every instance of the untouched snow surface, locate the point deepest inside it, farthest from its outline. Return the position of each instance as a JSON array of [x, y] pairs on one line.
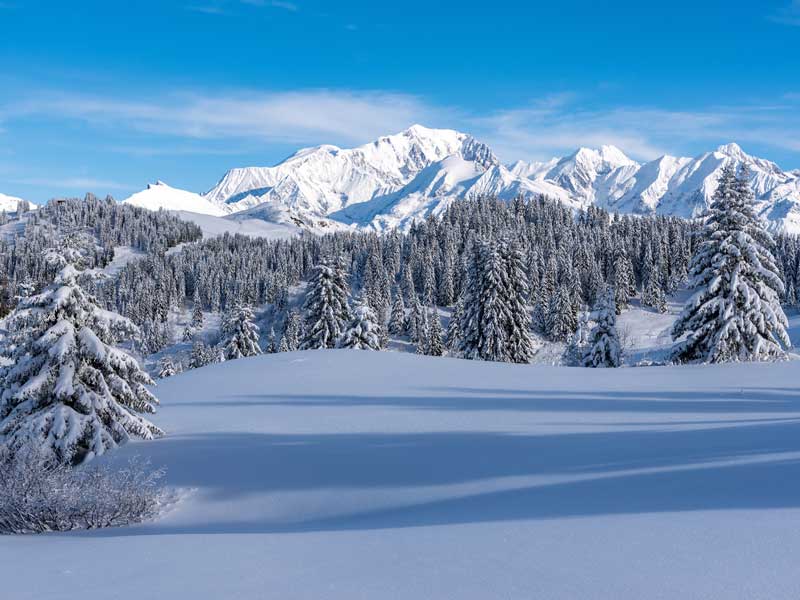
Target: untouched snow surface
[[362, 475], [160, 196], [212, 226]]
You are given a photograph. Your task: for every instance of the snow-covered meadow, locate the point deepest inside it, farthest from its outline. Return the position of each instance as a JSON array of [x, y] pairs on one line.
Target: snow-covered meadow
[[350, 474]]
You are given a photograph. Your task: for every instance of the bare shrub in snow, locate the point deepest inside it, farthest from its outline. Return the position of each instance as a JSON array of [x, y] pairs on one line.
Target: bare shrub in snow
[[39, 493]]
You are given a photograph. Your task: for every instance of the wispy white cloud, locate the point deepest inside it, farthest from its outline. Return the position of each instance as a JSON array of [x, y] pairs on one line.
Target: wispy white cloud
[[551, 126], [290, 6], [297, 117], [787, 15], [207, 9], [67, 183], [560, 123]]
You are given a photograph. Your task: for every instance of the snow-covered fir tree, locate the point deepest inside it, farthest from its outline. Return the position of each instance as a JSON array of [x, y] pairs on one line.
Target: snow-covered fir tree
[[653, 294], [68, 391], [433, 344], [166, 368], [492, 308], [603, 347], [520, 344], [397, 320], [578, 341], [363, 331], [240, 333], [326, 307], [734, 313], [290, 339], [197, 311]]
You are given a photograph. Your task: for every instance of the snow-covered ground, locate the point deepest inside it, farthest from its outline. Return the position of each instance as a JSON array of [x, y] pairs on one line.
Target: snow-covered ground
[[349, 474], [213, 226]]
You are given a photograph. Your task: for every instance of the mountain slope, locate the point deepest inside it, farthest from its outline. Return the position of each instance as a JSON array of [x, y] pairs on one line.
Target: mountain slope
[[9, 203], [161, 196]]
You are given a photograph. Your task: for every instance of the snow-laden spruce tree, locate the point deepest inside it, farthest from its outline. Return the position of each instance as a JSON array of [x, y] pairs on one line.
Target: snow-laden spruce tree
[[493, 321], [166, 368], [434, 344], [520, 343], [735, 312], [326, 307], [363, 331], [240, 333], [603, 347], [68, 391], [397, 321]]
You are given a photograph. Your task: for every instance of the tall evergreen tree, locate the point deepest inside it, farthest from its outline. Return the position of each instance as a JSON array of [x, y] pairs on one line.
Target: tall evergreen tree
[[734, 313], [68, 391], [326, 307], [240, 333], [603, 347], [363, 331]]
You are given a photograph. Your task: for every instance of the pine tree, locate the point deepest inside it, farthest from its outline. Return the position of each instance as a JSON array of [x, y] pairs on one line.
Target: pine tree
[[578, 342], [291, 332], [397, 320], [434, 345], [493, 321], [68, 391], [167, 368], [240, 333], [735, 313], [201, 355], [197, 312], [363, 331], [326, 307], [603, 343], [520, 343], [653, 294], [563, 316], [272, 343], [453, 335]]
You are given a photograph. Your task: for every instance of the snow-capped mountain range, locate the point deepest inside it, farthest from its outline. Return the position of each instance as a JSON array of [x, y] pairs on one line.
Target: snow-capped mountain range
[[399, 178]]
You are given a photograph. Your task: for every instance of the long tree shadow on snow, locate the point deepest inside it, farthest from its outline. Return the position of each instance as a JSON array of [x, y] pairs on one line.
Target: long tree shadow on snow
[[228, 466], [734, 400]]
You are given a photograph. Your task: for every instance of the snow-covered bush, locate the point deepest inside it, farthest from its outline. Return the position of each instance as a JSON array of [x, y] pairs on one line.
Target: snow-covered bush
[[39, 493]]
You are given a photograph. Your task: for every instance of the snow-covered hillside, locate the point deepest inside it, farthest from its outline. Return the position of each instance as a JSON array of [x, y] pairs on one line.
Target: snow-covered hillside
[[159, 195], [399, 178], [399, 476], [10, 203]]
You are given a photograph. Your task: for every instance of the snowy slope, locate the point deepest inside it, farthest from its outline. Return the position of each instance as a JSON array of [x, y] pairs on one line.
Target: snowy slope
[[437, 478], [9, 203], [161, 196], [212, 226]]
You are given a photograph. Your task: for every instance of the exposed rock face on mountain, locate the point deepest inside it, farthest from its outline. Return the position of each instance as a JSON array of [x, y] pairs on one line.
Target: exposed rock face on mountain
[[399, 178]]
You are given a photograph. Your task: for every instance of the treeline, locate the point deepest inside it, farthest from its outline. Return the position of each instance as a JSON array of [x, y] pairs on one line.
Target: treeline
[[92, 226]]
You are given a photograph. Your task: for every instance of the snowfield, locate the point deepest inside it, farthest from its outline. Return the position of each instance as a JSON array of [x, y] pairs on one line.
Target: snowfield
[[352, 474]]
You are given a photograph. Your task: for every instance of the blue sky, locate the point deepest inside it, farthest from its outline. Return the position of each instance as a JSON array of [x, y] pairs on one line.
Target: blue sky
[[106, 96]]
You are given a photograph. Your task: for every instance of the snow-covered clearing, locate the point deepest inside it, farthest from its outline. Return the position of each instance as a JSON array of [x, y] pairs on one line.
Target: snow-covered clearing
[[351, 474], [213, 226]]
